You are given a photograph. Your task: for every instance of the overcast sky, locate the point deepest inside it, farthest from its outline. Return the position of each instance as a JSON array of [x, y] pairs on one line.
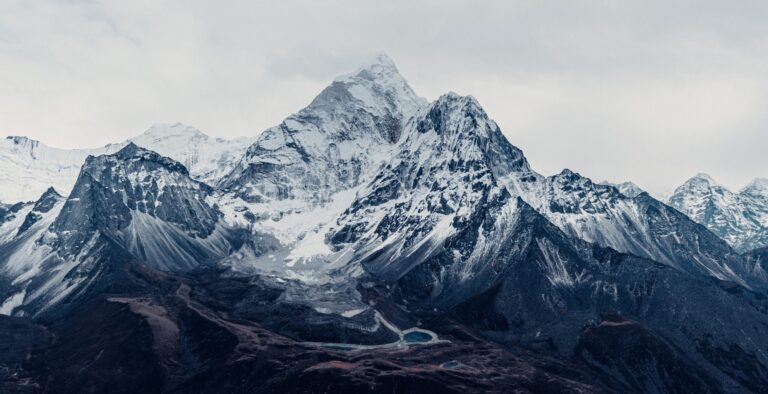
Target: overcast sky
[[649, 91]]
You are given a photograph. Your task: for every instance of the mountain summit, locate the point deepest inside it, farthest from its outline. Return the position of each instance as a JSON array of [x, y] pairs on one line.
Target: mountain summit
[[333, 143], [757, 189], [739, 218]]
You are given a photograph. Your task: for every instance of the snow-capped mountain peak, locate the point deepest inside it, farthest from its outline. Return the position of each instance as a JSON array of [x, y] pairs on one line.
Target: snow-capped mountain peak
[[23, 143], [443, 180], [703, 177], [464, 128], [701, 181], [378, 79], [135, 153], [700, 184], [739, 218], [449, 109], [132, 205], [376, 66], [758, 188], [43, 205], [380, 69], [333, 143], [567, 173], [171, 130], [453, 117], [208, 159], [697, 191]]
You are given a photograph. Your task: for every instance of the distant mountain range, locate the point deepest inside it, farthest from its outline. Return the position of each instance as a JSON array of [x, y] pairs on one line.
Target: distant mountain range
[[373, 241], [29, 167], [739, 218]]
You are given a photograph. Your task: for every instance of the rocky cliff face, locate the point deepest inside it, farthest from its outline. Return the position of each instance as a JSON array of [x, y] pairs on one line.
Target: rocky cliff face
[[45, 204], [134, 205], [148, 204]]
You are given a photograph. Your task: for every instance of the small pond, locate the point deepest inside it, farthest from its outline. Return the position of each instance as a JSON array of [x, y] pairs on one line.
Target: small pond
[[417, 336]]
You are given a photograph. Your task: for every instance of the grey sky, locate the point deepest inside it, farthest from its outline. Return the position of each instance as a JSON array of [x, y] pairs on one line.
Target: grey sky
[[652, 91]]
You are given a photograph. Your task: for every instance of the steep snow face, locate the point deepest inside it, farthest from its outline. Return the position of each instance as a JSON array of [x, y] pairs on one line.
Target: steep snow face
[[302, 174], [740, 218], [45, 204], [30, 167], [757, 189], [207, 159], [443, 182], [11, 219], [381, 89], [24, 257], [641, 226], [332, 144]]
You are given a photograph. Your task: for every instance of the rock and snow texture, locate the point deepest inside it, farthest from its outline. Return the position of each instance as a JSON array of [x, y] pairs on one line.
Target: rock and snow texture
[[443, 180], [739, 218], [642, 226], [146, 203], [133, 205], [350, 128], [29, 167], [25, 257], [45, 204], [299, 176], [207, 158], [455, 169]]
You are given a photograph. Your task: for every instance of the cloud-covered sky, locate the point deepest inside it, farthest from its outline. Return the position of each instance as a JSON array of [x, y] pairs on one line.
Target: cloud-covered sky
[[649, 91]]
